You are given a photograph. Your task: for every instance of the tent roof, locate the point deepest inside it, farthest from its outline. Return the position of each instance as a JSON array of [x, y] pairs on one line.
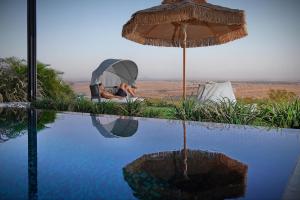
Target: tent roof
[[216, 92], [125, 69]]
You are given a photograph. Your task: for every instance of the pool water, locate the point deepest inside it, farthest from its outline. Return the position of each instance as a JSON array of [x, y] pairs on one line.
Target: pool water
[[46, 155]]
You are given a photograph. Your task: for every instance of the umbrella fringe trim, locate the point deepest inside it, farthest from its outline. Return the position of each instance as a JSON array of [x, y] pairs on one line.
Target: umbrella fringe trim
[[233, 35]]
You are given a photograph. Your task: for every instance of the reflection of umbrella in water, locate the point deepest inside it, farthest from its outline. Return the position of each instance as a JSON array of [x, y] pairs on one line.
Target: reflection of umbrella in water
[[187, 174], [110, 127]]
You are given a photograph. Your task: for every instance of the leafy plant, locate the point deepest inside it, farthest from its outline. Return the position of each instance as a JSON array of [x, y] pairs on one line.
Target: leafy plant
[[151, 113], [106, 108], [13, 81], [131, 108], [159, 103], [227, 111], [224, 111], [13, 86], [267, 113], [159, 112], [187, 110], [283, 114]]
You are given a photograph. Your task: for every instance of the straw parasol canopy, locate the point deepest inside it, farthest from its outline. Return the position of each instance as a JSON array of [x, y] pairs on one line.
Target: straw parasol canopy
[[185, 24]]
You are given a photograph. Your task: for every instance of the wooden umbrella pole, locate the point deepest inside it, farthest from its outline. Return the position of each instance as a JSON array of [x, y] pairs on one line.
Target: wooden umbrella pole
[[184, 61], [183, 75]]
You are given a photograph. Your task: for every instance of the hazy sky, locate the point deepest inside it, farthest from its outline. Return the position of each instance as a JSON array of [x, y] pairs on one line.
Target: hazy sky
[[75, 36]]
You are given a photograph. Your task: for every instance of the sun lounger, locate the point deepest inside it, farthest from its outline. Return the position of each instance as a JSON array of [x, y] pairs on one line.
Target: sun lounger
[[111, 73], [117, 100], [95, 97]]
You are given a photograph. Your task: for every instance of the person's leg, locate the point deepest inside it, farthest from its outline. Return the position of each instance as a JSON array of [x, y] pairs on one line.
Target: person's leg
[[108, 95], [122, 91], [131, 91], [123, 86], [126, 88], [134, 89]]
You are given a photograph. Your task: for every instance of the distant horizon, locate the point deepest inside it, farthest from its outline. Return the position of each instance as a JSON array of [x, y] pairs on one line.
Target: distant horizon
[[195, 80], [75, 36]]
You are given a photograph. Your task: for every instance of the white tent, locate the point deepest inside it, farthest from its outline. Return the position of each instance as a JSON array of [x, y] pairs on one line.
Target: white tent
[[113, 72], [216, 92]]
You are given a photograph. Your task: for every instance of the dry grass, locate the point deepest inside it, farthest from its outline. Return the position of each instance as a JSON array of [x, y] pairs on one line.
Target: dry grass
[[167, 89]]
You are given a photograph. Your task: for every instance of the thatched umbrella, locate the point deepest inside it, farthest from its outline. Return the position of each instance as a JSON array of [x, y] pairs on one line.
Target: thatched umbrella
[[185, 24]]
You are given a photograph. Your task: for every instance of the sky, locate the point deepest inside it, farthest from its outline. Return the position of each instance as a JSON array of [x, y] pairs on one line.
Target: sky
[[75, 36]]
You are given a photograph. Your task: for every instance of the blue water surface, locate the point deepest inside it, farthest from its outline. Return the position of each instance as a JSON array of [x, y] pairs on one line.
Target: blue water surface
[[75, 160]]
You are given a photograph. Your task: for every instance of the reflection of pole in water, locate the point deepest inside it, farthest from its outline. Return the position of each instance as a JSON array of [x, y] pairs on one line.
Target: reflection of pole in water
[[185, 165], [32, 154]]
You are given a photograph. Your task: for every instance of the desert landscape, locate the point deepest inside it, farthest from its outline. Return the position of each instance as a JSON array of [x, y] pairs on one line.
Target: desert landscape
[[165, 89]]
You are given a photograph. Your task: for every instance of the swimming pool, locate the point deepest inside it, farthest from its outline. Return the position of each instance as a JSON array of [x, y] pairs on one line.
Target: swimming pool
[[82, 156]]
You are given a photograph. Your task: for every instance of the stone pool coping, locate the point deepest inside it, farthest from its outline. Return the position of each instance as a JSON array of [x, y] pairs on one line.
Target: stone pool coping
[[292, 190], [15, 105]]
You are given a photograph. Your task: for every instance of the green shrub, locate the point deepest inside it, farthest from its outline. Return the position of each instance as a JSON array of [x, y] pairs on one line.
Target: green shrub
[[59, 105], [13, 81], [106, 108], [13, 86], [158, 103], [152, 113], [285, 114], [79, 105], [227, 111], [131, 108], [281, 114], [187, 110], [159, 112], [82, 106], [52, 84], [224, 111]]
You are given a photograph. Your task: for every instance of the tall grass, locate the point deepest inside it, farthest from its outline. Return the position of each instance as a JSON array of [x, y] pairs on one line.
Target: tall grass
[[159, 112], [228, 112], [284, 114], [224, 111], [187, 110], [82, 105], [131, 108], [281, 114], [159, 103]]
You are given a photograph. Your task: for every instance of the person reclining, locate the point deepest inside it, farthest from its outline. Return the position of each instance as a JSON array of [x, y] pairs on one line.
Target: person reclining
[[123, 91], [106, 94]]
